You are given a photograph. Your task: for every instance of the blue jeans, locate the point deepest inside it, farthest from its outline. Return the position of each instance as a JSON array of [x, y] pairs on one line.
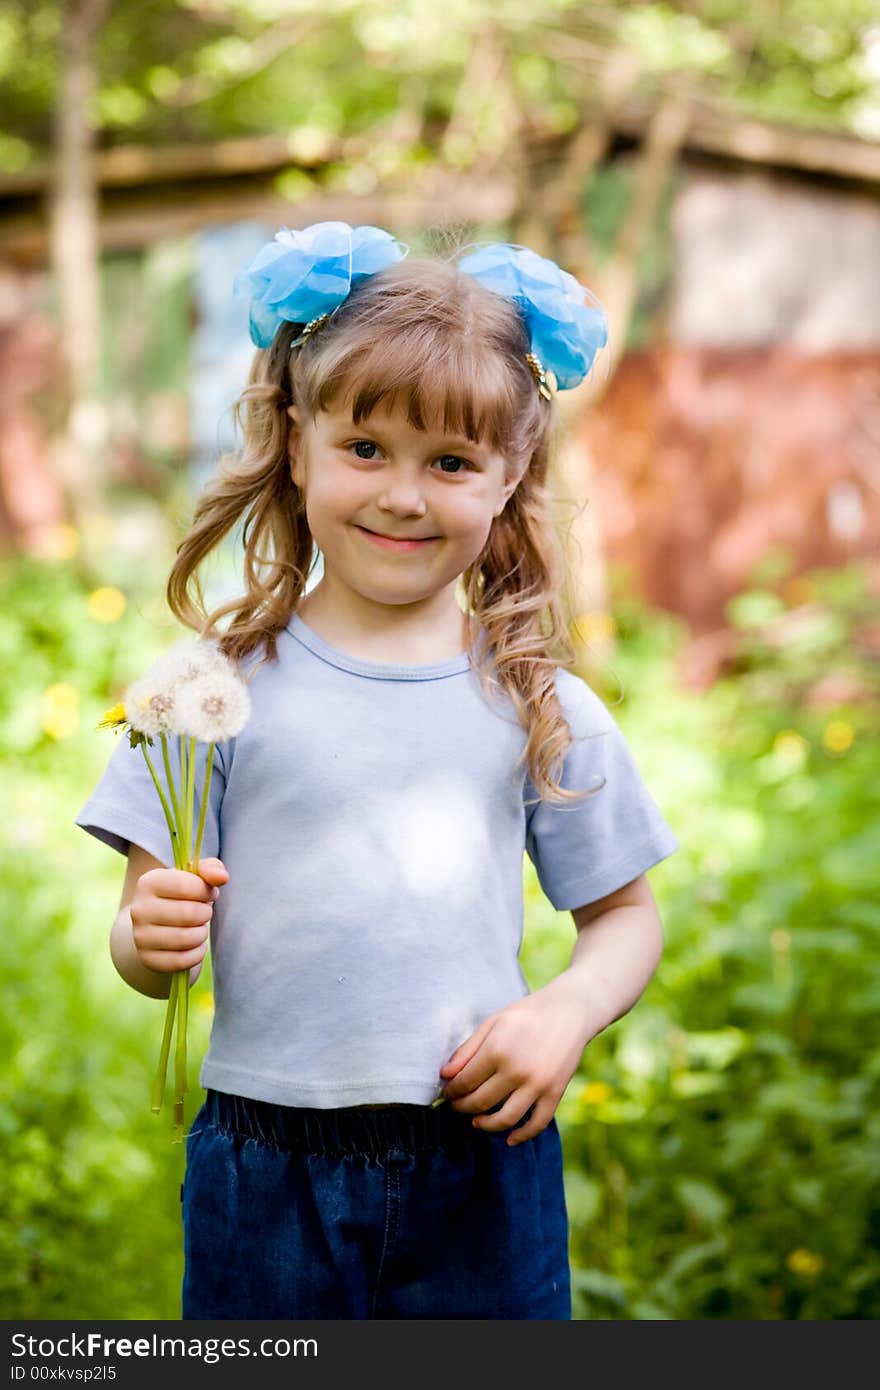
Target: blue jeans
[[404, 1212]]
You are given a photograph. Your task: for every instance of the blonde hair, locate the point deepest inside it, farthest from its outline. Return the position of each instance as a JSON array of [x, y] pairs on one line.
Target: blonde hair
[[426, 336]]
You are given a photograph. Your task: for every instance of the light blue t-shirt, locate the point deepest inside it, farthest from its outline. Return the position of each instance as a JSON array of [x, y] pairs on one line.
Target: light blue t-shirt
[[373, 826]]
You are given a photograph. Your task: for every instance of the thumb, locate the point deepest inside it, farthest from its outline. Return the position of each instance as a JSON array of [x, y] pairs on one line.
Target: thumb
[[213, 871], [465, 1051]]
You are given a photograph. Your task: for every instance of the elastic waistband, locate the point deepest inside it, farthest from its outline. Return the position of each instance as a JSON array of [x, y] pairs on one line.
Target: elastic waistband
[[349, 1130]]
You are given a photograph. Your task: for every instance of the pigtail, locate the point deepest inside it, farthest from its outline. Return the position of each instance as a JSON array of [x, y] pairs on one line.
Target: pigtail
[[514, 591], [256, 485]]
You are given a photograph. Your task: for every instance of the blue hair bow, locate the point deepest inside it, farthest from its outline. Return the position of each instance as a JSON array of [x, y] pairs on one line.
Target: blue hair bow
[[564, 332], [299, 276]]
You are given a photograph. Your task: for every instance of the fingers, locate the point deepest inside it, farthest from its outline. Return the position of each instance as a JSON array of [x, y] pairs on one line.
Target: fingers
[[484, 1095], [463, 1054], [538, 1120], [180, 883], [155, 938], [213, 871], [169, 962], [171, 915], [173, 911], [517, 1105]]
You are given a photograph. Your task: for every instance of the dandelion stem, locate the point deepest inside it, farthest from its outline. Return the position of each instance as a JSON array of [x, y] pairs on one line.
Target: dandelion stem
[[162, 1069], [182, 982], [178, 996], [172, 829], [206, 791], [171, 787], [190, 798]]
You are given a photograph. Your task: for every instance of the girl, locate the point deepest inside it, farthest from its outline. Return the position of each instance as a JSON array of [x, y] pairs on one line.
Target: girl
[[378, 1137]]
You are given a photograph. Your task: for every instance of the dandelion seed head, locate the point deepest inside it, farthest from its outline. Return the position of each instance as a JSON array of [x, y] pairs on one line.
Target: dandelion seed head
[[213, 708], [150, 710], [191, 659], [192, 690]]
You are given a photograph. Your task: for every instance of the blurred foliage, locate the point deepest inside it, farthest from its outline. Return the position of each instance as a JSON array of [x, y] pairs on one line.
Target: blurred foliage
[[400, 71], [721, 1140]]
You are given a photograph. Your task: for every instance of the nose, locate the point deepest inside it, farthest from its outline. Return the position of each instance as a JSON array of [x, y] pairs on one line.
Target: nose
[[402, 496]]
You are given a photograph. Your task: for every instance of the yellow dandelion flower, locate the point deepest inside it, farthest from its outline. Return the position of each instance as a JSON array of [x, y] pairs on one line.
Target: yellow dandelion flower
[[597, 626], [107, 605], [804, 1262], [113, 717], [595, 1092], [838, 736], [60, 710]]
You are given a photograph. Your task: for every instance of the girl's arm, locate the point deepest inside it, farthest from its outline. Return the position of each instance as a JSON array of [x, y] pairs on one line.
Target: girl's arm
[[618, 947]]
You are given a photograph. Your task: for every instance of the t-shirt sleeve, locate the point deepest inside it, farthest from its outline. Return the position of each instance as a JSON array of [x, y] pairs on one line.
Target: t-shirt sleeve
[[588, 848], [125, 807]]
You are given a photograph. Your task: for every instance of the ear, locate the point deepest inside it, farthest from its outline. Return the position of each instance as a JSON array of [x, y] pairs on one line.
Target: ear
[[508, 488]]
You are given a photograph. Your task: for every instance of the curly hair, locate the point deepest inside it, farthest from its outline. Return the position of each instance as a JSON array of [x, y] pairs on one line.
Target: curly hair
[[423, 336]]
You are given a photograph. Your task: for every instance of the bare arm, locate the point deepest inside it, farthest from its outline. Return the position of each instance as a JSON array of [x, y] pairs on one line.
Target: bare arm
[[618, 947], [123, 951]]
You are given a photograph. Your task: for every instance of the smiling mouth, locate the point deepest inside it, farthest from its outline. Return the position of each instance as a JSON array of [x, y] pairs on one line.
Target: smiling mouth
[[397, 540]]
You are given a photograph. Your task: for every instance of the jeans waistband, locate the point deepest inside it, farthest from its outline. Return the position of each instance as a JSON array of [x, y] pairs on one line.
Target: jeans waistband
[[348, 1130]]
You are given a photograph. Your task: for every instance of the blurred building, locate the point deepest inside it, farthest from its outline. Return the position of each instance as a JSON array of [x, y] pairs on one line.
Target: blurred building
[[752, 422]]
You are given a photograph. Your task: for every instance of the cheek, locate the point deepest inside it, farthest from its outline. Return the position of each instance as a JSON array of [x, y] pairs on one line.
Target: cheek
[[331, 495], [471, 514]]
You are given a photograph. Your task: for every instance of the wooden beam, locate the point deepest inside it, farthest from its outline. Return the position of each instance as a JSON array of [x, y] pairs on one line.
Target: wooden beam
[[718, 131], [136, 165], [715, 130], [133, 221]]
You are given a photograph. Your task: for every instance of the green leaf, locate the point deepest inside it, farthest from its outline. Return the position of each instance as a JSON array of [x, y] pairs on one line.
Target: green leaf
[[702, 1200]]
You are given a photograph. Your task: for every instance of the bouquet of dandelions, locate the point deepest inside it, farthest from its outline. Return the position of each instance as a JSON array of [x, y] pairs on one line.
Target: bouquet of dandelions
[[195, 693]]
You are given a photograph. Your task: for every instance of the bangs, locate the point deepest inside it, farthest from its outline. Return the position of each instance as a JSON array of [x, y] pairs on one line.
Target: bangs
[[440, 385]]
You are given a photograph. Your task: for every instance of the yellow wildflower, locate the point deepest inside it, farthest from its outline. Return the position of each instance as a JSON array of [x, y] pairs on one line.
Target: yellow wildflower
[[838, 736], [60, 710], [113, 717], [804, 1262], [595, 1092], [107, 604]]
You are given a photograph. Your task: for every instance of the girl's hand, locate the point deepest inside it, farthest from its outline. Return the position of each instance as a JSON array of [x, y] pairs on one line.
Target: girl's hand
[[171, 912], [526, 1054]]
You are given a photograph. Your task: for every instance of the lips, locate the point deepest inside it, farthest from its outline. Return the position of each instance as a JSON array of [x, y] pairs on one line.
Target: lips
[[385, 537], [400, 543]]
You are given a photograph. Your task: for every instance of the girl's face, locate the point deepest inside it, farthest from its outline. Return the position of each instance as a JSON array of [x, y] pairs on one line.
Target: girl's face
[[385, 477]]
